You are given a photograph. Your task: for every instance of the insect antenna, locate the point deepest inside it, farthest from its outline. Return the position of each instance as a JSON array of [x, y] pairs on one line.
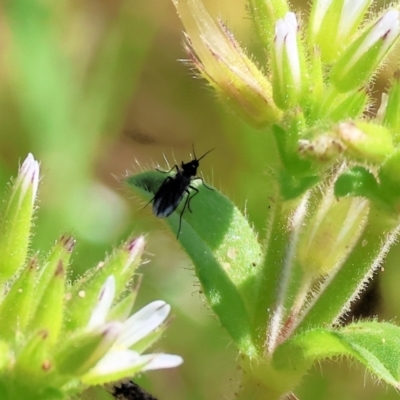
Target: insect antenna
[[209, 151], [198, 159]]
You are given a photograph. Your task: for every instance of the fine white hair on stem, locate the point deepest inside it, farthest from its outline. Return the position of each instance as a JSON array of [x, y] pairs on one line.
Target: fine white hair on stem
[[390, 239], [295, 225]]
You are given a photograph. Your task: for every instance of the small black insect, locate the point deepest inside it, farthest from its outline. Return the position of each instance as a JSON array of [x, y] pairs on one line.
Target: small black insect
[[174, 188], [131, 391]]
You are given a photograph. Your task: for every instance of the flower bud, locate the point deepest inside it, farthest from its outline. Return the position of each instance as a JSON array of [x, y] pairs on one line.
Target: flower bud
[[332, 23], [361, 59], [365, 141], [391, 110], [332, 233], [288, 66], [217, 55], [17, 219]]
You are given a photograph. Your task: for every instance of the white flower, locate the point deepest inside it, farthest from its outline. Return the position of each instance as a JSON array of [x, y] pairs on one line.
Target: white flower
[[123, 359]]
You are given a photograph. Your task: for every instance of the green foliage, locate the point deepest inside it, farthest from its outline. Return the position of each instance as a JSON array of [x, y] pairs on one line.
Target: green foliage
[[374, 344]]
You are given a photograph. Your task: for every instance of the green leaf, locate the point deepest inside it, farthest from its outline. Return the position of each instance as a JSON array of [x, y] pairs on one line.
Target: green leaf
[[224, 251], [375, 345], [293, 187], [357, 181]]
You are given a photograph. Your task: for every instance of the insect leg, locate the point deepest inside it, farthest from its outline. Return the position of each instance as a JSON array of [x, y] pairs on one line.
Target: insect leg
[[202, 181], [190, 195], [183, 210], [167, 172]]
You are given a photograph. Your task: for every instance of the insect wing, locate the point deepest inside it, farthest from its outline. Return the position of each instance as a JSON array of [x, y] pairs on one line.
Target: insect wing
[[168, 196]]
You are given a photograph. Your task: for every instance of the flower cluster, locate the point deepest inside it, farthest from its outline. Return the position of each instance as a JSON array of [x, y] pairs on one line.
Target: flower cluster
[[58, 338], [282, 299], [315, 96]]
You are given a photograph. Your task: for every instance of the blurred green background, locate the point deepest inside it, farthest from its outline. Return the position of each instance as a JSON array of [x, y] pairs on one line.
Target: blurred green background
[[94, 90]]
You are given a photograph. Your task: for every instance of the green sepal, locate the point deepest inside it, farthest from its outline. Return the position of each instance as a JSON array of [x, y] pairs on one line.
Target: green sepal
[[81, 351], [365, 141], [16, 307], [356, 66], [325, 32], [15, 227], [316, 84], [331, 234], [224, 250], [59, 255], [335, 295], [84, 293], [389, 178], [265, 14], [357, 181], [122, 310], [376, 345], [350, 106], [5, 353], [392, 109], [49, 313], [34, 360]]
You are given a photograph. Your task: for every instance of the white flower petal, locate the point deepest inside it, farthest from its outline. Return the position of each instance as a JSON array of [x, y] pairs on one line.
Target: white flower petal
[[128, 360], [118, 360], [321, 9], [286, 47], [103, 305], [351, 11], [386, 30], [143, 322], [28, 176], [161, 361], [291, 47]]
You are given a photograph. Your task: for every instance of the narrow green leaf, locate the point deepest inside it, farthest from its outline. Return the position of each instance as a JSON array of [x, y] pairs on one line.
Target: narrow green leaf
[[375, 345], [357, 181], [224, 251]]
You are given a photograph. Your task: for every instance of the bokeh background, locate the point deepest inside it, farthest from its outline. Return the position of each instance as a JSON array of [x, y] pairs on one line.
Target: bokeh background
[[94, 89]]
